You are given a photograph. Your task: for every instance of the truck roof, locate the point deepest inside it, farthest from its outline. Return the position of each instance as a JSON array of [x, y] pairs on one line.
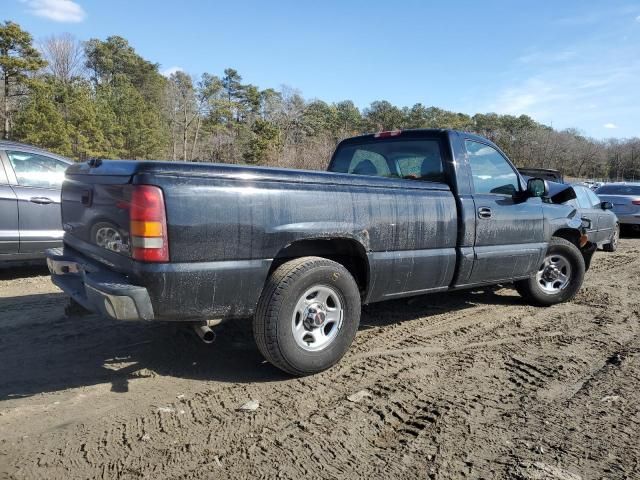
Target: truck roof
[[414, 133]]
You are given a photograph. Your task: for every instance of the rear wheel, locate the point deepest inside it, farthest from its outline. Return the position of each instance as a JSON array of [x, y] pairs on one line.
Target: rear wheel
[[307, 316], [612, 246], [558, 278]]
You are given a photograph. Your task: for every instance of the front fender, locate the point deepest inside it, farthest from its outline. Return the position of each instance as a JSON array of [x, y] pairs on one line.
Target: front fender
[[561, 217], [563, 221]]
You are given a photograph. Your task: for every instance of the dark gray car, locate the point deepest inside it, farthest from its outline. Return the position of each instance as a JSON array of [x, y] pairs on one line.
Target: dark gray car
[[30, 183], [604, 229]]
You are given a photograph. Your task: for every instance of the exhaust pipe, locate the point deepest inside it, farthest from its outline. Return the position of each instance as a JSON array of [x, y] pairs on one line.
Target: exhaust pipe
[[205, 333]]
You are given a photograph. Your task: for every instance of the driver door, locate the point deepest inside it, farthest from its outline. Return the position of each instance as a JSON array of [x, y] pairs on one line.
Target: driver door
[[509, 239]]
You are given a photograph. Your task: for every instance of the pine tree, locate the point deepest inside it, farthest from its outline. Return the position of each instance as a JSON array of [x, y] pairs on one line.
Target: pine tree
[[18, 59]]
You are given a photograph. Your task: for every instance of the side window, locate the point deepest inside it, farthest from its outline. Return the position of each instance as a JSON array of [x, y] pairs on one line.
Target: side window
[[583, 198], [366, 162], [573, 202], [490, 171], [595, 201], [33, 170]]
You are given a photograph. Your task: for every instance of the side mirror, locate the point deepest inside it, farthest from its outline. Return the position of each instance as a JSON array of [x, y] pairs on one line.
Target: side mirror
[[537, 187], [606, 205]]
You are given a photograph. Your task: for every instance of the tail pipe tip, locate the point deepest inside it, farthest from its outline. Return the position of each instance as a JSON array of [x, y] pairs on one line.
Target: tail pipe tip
[[205, 333]]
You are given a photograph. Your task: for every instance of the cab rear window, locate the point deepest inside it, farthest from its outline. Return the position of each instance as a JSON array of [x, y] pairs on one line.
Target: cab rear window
[[408, 159]]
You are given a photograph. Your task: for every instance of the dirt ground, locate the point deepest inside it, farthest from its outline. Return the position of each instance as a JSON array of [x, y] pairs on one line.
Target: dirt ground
[[471, 384]]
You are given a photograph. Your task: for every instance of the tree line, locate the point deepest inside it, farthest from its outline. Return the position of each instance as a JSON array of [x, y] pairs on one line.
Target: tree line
[[99, 98]]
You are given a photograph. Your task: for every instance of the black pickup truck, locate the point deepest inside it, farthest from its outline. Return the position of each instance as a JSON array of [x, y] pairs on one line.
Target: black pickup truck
[[398, 213]]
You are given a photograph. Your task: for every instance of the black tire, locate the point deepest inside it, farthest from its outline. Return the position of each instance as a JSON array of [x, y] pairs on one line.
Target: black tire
[[612, 246], [532, 290], [276, 310]]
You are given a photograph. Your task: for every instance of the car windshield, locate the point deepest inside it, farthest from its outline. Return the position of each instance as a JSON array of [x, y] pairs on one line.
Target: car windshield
[[619, 190], [409, 159]]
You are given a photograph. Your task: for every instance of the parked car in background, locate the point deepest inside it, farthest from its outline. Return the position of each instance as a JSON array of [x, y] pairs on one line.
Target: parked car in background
[[547, 174], [30, 183], [604, 229], [625, 200]]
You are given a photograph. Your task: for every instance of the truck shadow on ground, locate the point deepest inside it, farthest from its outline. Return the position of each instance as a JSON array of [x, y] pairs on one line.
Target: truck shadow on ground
[[25, 271], [42, 350]]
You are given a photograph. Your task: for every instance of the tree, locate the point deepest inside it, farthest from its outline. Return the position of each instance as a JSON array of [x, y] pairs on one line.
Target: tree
[[265, 141], [133, 128], [40, 123], [207, 98], [183, 110], [349, 119], [18, 59], [382, 115], [130, 91], [64, 56]]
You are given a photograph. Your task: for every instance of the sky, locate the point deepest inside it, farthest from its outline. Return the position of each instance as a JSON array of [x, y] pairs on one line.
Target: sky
[[569, 64]]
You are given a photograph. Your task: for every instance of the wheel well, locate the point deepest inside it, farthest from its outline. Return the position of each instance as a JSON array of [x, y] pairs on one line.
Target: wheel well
[[569, 234], [347, 252]]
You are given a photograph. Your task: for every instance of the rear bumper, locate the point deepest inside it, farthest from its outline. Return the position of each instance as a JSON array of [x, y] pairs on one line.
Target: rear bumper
[[159, 291], [97, 288], [628, 219]]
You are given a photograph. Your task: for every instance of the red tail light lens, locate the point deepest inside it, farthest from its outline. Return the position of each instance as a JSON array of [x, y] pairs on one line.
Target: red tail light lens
[[635, 202], [387, 134], [148, 225]]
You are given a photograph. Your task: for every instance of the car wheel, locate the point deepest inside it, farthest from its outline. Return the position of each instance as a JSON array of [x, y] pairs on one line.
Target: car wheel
[[307, 316], [106, 235], [612, 246], [558, 278]]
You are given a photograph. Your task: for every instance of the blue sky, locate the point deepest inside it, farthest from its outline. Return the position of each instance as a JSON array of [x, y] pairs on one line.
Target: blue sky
[[569, 64]]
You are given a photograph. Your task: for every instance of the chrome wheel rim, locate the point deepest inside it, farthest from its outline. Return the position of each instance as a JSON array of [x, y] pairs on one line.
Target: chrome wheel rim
[[106, 236], [317, 318], [554, 274], [616, 235]]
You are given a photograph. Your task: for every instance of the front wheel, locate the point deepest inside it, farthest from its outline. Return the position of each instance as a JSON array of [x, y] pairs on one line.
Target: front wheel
[[612, 246], [307, 316], [558, 278]]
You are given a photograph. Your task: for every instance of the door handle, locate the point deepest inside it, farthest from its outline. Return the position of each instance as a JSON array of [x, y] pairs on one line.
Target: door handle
[[41, 200], [484, 212]]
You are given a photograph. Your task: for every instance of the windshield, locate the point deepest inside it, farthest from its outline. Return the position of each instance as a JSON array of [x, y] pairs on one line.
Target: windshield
[[410, 159]]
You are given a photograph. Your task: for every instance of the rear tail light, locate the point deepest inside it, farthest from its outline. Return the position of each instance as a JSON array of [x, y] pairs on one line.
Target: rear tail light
[[636, 202], [148, 225]]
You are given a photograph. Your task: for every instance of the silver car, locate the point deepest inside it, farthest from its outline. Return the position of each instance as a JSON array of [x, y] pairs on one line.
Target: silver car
[[30, 182], [604, 229], [625, 198]]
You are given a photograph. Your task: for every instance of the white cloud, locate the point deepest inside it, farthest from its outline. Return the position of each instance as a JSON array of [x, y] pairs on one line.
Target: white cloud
[[533, 96], [610, 125], [638, 18], [167, 72], [56, 10], [546, 57]]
